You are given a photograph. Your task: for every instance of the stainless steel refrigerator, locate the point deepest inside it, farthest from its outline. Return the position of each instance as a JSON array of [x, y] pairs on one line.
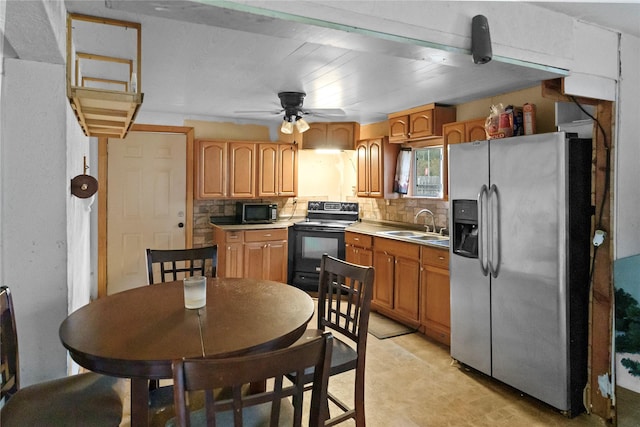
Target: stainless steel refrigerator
[[520, 241]]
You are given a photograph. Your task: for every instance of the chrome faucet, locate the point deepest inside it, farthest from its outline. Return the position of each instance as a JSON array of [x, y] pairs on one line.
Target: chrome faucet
[[433, 219]]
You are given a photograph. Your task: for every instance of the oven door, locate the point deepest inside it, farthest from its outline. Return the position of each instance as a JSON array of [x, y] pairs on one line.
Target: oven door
[[309, 246]]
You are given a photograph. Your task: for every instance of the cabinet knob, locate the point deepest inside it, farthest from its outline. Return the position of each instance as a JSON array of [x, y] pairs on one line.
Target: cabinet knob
[[441, 258], [180, 225]]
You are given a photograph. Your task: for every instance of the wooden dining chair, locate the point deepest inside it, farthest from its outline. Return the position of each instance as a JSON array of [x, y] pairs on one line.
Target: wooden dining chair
[[88, 399], [176, 263], [344, 303], [271, 407]]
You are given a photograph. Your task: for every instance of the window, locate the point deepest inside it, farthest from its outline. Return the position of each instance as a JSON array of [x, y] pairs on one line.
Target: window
[[427, 172]]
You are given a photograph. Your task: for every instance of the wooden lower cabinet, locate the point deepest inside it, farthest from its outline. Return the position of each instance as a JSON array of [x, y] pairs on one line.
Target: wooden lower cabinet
[[397, 279], [435, 306], [265, 254], [358, 248], [230, 245], [411, 282], [259, 254]]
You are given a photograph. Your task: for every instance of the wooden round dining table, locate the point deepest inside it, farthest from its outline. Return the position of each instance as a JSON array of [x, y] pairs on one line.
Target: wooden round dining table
[[138, 333]]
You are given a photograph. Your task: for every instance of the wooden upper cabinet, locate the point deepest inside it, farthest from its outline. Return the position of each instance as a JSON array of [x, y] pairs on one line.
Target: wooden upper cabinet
[[268, 170], [315, 136], [453, 133], [419, 123], [399, 129], [338, 135], [376, 167], [277, 170], [288, 170], [475, 130], [211, 169], [245, 169], [470, 130], [242, 166]]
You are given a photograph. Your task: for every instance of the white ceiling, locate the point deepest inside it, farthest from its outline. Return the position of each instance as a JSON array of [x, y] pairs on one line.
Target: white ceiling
[[205, 61]]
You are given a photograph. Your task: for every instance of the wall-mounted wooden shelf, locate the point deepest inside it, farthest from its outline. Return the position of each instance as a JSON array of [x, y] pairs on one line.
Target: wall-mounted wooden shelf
[[110, 110], [103, 112]]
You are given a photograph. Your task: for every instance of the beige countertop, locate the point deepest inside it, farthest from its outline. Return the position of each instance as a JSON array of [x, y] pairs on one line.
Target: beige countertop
[[234, 227], [373, 228], [379, 229]]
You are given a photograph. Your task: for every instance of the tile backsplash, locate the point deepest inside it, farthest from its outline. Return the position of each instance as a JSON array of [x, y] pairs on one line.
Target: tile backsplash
[[401, 210]]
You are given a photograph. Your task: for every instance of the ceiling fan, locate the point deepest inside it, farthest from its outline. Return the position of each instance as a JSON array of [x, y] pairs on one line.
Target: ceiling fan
[[291, 103]]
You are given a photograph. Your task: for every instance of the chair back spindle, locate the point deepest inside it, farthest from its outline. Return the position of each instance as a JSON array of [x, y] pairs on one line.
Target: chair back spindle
[[175, 264]]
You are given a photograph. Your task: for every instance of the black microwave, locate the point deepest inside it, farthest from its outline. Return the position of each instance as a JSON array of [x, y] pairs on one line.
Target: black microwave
[[256, 213]]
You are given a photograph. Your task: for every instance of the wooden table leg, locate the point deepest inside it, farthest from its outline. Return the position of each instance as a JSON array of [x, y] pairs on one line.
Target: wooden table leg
[[139, 402]]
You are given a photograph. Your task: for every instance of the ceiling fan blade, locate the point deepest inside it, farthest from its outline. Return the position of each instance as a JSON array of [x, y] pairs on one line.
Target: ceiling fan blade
[[326, 112], [270, 112]]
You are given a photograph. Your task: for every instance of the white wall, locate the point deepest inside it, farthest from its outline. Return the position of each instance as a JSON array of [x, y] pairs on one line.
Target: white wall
[[627, 153], [34, 214], [326, 176], [78, 217], [2, 23]]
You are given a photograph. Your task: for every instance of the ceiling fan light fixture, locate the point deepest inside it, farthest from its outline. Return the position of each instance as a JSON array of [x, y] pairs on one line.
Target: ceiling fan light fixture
[[287, 127], [302, 125]]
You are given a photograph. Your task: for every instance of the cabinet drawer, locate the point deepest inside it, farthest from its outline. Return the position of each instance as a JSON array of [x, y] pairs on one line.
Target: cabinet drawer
[[397, 248], [266, 235], [435, 257], [357, 239], [234, 236]]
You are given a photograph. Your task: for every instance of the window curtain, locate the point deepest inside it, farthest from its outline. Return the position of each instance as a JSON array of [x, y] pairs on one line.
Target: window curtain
[[403, 170]]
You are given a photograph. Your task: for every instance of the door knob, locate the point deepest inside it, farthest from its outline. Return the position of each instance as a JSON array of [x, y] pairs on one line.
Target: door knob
[[180, 225]]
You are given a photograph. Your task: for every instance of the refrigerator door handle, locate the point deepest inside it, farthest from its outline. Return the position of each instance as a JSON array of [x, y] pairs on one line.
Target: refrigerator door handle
[[494, 261], [482, 198]]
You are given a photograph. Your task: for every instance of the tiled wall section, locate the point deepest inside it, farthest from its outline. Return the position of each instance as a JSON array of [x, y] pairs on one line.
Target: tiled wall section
[[404, 210], [395, 210]]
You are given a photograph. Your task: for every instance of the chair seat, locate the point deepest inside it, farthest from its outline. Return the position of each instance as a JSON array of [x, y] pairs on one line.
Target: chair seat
[[254, 416], [87, 399], [343, 357]]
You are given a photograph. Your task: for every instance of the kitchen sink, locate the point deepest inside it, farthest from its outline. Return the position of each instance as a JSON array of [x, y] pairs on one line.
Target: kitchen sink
[[418, 236], [428, 237], [401, 233], [443, 242]]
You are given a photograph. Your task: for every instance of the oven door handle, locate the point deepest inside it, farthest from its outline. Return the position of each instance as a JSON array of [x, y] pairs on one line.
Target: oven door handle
[[320, 229]]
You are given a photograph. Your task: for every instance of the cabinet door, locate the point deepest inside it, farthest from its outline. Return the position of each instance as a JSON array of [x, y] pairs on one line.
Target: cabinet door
[[407, 285], [242, 164], [233, 260], [268, 170], [435, 304], [211, 169], [453, 133], [475, 131], [255, 260], [421, 124], [358, 255], [351, 253], [399, 129], [340, 136], [277, 261], [375, 166], [315, 136], [362, 183], [383, 281], [288, 170]]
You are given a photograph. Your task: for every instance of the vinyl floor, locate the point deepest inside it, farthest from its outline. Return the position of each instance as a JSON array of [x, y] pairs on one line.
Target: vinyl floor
[[412, 382]]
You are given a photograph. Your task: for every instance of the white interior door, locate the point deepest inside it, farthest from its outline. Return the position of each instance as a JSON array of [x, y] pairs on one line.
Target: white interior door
[[145, 205]]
